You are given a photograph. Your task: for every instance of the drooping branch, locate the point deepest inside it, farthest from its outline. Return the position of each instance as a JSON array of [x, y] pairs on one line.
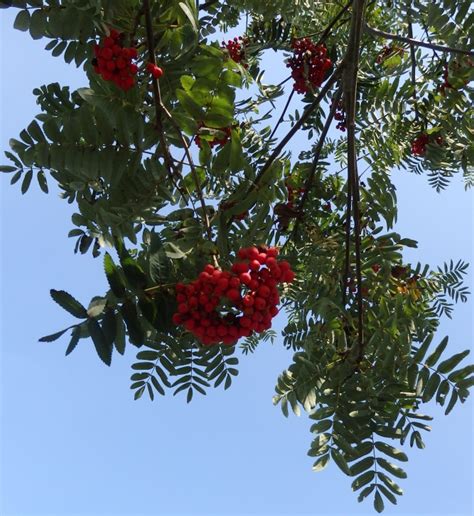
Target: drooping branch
[[416, 42], [350, 96]]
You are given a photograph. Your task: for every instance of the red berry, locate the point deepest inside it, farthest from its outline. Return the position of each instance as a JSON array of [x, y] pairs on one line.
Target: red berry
[[233, 294]]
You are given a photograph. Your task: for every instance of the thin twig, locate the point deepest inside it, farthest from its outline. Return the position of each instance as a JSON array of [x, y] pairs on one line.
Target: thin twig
[[416, 42], [282, 116], [317, 154], [304, 117], [157, 98], [194, 173], [329, 28], [413, 67]]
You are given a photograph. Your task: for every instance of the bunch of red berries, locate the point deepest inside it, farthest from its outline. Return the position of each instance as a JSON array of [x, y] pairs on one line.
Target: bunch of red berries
[[113, 61], [309, 64], [418, 145], [222, 306], [215, 141], [236, 49]]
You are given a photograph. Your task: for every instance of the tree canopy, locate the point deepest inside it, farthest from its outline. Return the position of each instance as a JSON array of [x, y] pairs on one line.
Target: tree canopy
[[207, 225]]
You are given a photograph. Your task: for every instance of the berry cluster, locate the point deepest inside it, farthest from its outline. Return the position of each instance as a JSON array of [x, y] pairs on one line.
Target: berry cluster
[[154, 70], [418, 145], [236, 49], [222, 306], [340, 116], [113, 61], [309, 65], [215, 141]]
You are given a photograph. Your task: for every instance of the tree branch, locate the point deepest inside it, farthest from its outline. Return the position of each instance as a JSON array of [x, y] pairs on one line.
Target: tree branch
[[413, 69], [161, 109], [282, 116], [306, 114], [350, 94], [416, 42], [317, 153], [329, 28]]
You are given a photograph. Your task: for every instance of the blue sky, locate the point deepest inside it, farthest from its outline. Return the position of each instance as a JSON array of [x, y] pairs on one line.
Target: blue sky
[[73, 441]]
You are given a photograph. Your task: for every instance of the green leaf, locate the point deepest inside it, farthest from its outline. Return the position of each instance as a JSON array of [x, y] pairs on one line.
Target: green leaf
[[26, 181], [361, 466], [321, 463], [431, 387], [119, 335], [134, 328], [448, 365], [71, 305], [55, 336], [395, 488], [104, 349], [117, 285], [391, 451], [390, 496], [42, 182], [365, 492], [7, 169], [434, 357], [190, 15], [363, 480], [38, 23], [22, 21], [378, 503], [391, 468], [76, 335], [133, 272], [339, 459]]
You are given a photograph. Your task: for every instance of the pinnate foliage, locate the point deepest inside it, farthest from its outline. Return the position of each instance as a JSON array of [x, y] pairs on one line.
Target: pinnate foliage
[[171, 175]]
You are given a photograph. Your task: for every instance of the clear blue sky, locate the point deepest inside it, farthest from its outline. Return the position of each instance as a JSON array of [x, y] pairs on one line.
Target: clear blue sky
[[74, 442]]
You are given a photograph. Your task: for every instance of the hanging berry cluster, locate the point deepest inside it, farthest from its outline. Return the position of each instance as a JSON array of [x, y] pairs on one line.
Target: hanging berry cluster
[[236, 49], [418, 145], [215, 141], [309, 65], [222, 306], [113, 61]]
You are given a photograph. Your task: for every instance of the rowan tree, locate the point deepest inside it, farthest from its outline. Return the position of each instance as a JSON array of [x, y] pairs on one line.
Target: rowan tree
[[207, 226]]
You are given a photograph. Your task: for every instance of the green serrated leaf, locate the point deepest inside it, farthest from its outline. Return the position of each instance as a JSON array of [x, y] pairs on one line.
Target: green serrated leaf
[[71, 305]]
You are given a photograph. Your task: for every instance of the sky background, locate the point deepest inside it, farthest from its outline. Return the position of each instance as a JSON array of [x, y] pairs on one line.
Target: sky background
[[73, 441]]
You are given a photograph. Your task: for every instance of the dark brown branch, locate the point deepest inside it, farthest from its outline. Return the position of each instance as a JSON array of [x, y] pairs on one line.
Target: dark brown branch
[[413, 69], [317, 154], [282, 116], [306, 114], [350, 94], [416, 42], [194, 173], [157, 98]]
